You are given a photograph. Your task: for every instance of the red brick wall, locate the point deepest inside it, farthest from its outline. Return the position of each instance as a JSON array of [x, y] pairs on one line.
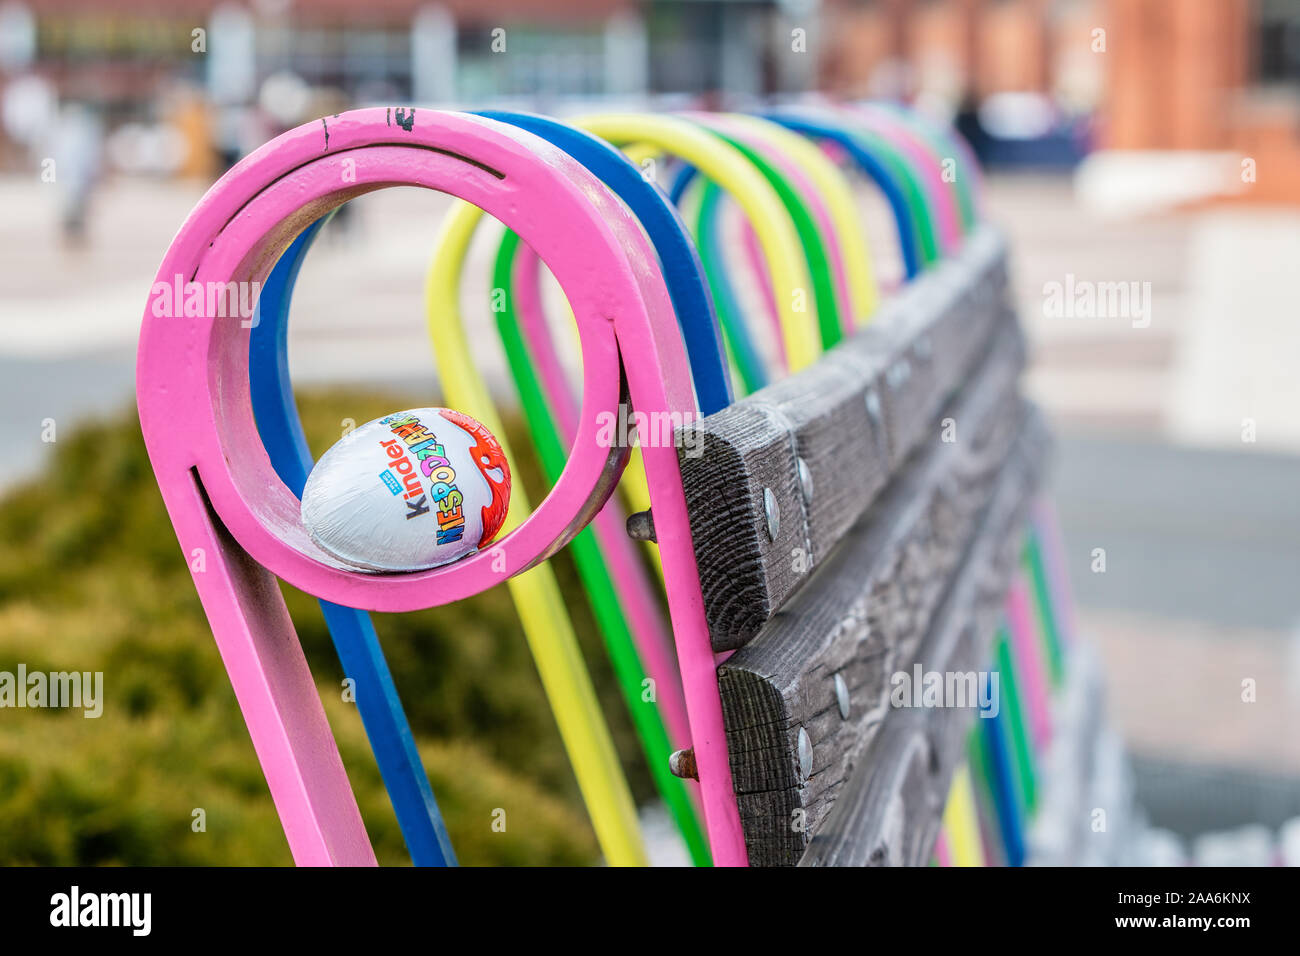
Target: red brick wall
[[1173, 70]]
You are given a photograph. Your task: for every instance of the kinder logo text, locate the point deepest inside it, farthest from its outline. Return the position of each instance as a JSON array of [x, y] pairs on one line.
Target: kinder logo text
[[218, 300], [131, 910], [415, 441]]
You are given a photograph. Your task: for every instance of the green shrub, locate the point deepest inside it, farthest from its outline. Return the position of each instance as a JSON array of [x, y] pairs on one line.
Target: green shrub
[[92, 579]]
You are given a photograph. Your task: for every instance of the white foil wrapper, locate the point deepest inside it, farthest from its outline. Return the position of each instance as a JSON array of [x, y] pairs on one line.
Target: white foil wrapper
[[409, 491]]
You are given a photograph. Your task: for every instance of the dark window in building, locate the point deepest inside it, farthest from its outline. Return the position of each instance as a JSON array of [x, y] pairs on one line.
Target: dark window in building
[[1278, 41]]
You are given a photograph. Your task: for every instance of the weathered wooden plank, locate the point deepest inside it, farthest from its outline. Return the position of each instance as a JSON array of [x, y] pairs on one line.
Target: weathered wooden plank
[[890, 811], [820, 412], [888, 817], [743, 463], [805, 718], [962, 636], [864, 609], [922, 349], [773, 482]]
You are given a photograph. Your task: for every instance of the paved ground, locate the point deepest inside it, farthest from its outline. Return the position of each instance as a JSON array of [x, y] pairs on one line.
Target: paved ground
[[1200, 528], [1202, 554]]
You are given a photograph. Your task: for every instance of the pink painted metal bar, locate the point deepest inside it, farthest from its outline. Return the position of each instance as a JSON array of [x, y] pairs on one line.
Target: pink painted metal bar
[[1048, 530], [942, 855], [757, 263], [925, 162], [636, 593], [1033, 685], [808, 192]]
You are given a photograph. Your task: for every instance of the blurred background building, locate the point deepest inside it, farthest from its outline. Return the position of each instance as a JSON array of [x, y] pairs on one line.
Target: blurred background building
[[1043, 80]]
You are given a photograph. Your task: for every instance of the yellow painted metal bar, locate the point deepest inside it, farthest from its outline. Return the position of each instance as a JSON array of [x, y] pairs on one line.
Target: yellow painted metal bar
[[838, 195], [536, 592], [728, 167], [961, 821]]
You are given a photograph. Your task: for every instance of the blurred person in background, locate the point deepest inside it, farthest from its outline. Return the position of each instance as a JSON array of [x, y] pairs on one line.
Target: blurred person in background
[[77, 151]]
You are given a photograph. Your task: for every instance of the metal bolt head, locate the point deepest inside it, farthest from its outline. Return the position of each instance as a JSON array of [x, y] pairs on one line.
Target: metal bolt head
[[873, 406], [681, 763], [842, 696], [641, 526], [805, 755], [773, 512], [805, 479]]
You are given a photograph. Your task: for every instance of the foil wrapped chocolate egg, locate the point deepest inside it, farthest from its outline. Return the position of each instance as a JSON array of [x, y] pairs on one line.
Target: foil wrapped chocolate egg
[[409, 491]]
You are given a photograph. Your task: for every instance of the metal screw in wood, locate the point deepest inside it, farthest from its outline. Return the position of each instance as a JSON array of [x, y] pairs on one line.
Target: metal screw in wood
[[842, 696], [805, 755], [805, 479], [773, 513]]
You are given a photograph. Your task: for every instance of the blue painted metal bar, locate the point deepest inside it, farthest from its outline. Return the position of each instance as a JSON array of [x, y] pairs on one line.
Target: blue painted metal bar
[[818, 128], [997, 747], [678, 259], [353, 632], [748, 362]]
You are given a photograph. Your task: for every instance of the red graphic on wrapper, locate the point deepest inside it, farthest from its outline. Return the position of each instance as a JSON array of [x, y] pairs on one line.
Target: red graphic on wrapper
[[488, 457]]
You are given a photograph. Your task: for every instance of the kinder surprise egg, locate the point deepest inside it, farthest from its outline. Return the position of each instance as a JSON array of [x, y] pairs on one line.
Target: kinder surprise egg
[[411, 491]]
